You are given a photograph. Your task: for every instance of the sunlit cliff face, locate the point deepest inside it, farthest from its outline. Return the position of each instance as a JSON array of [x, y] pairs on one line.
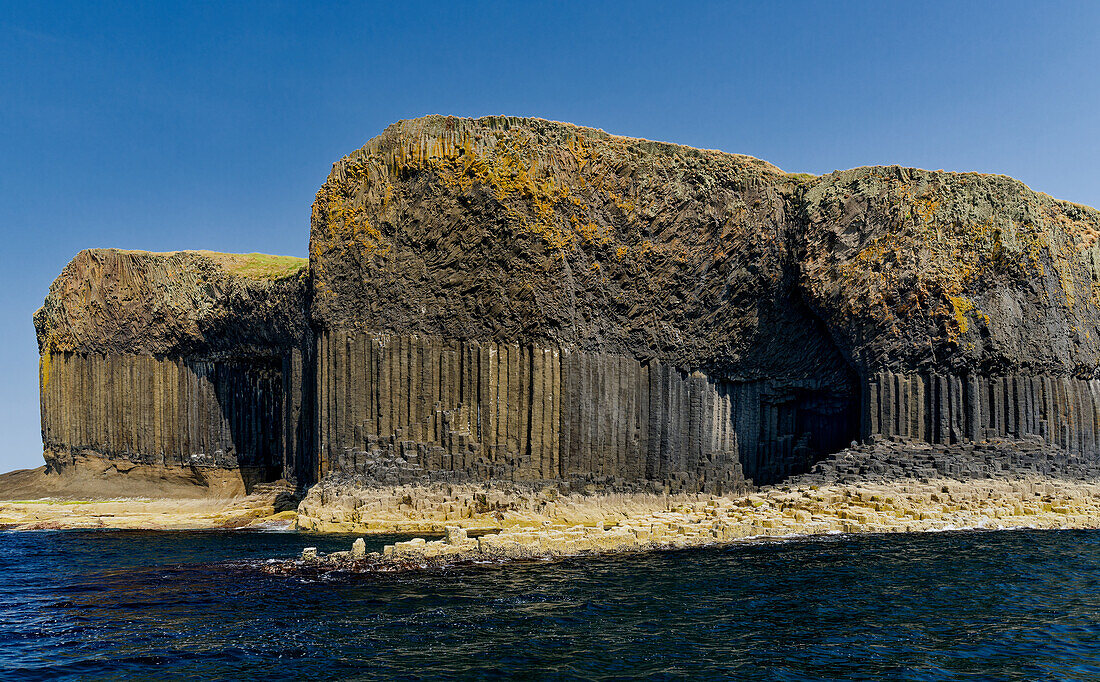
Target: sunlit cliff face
[[519, 299]]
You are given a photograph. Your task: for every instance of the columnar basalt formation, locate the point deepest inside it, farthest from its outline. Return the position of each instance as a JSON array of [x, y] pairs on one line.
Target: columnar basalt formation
[[188, 364], [469, 410], [949, 409], [523, 300], [643, 258]]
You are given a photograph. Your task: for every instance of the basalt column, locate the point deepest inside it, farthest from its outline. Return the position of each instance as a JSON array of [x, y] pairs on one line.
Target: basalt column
[[951, 409], [171, 413], [400, 407], [396, 406]]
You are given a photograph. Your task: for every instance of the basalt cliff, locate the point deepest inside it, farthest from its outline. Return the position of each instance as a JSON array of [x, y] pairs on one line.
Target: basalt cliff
[[510, 299]]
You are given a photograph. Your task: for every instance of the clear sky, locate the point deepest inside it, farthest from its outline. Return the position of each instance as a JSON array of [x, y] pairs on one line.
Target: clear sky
[[211, 125]]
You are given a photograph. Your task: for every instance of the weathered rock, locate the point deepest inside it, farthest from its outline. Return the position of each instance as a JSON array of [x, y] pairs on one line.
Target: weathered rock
[[522, 300], [188, 362], [193, 304], [608, 305], [951, 273], [454, 535]]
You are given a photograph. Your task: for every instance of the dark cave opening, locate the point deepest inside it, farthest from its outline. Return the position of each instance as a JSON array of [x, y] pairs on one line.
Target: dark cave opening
[[807, 403], [797, 427]]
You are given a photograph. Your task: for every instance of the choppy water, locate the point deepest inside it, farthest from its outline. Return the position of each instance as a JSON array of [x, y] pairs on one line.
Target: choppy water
[[148, 605]]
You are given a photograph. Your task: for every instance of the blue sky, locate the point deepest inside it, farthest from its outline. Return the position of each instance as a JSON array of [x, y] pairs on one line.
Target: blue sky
[[211, 125]]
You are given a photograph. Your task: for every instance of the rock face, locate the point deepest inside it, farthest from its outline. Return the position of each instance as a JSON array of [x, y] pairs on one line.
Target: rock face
[[525, 300], [644, 292], [187, 364], [966, 303], [956, 273]]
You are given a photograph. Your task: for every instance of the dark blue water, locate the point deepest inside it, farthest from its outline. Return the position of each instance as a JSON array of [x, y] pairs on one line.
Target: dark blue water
[[149, 605]]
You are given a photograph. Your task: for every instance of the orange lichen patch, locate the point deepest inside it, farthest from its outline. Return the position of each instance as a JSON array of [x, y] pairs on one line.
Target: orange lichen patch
[[1069, 290], [530, 194], [343, 217], [961, 306], [926, 207], [590, 233], [624, 205], [534, 197], [580, 150], [44, 366], [874, 268]]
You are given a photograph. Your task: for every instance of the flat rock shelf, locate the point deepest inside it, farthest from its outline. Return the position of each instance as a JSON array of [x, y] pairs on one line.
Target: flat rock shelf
[[511, 524]]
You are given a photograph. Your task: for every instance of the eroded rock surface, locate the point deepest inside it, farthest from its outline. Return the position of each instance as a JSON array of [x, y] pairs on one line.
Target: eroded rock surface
[[631, 257], [520, 300], [955, 273], [175, 367], [179, 304]]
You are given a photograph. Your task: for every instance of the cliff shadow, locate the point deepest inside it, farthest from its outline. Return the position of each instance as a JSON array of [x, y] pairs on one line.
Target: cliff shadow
[[248, 430], [803, 402]]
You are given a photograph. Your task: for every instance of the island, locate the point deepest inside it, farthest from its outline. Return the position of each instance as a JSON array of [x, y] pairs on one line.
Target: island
[[538, 339]]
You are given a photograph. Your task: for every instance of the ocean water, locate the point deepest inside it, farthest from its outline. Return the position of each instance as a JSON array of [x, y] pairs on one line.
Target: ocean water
[[123, 605]]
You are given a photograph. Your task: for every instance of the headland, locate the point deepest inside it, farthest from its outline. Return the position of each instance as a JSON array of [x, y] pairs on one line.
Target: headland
[[568, 340]]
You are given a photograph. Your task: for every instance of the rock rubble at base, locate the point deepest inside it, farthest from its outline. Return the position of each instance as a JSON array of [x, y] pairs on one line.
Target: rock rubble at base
[[1037, 494], [896, 458]]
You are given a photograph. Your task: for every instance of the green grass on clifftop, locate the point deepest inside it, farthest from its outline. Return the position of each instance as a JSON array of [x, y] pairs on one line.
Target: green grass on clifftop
[[259, 266]]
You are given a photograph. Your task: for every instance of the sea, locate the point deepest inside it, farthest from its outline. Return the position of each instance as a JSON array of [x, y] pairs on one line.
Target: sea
[[137, 605]]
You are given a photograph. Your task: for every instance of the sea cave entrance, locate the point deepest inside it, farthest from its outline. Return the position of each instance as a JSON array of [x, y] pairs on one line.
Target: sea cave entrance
[[797, 426]]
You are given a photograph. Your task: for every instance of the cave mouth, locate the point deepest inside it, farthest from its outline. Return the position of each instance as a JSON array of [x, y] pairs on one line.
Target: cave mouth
[[810, 407], [799, 427]]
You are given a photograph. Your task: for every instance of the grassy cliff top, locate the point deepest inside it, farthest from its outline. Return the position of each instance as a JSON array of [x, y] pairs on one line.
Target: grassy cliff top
[[260, 266], [173, 303], [255, 266]]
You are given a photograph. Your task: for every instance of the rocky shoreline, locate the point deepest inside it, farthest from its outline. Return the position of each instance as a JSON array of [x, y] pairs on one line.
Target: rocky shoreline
[[779, 512], [266, 508], [886, 487], [883, 487]]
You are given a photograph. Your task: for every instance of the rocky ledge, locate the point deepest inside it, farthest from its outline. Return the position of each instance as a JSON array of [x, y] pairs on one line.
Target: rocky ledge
[[268, 507], [867, 489]]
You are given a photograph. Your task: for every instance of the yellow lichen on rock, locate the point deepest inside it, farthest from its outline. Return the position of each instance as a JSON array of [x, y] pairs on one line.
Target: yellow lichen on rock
[[961, 307]]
